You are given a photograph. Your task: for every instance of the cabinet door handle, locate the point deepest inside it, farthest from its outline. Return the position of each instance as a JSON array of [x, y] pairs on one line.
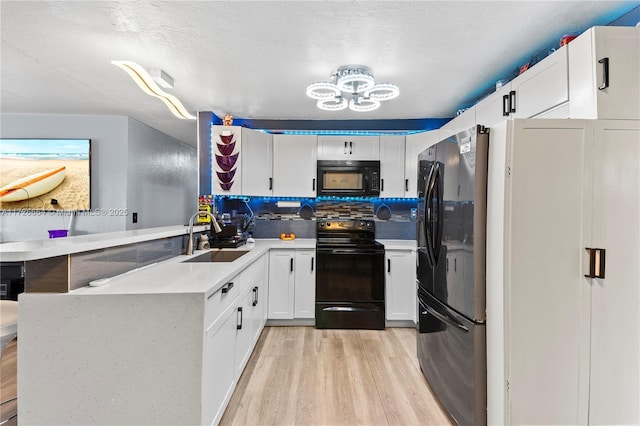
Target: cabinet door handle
[[388, 265], [291, 264], [447, 264], [605, 73], [270, 184], [512, 101], [255, 297], [350, 148], [505, 106], [406, 184], [596, 262], [239, 325], [312, 264], [345, 148], [455, 264], [313, 185], [382, 185], [226, 288]]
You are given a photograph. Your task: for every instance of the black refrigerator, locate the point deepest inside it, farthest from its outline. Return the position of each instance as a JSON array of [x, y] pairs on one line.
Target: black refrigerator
[[451, 229]]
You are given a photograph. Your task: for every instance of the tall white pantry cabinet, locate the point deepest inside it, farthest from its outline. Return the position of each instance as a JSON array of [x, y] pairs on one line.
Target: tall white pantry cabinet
[[563, 272]]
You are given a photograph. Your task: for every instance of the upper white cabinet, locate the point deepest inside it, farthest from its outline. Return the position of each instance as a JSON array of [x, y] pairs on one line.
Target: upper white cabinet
[[415, 144], [241, 161], [461, 122], [392, 163], [541, 88], [226, 160], [348, 148], [604, 73], [294, 165], [257, 153]]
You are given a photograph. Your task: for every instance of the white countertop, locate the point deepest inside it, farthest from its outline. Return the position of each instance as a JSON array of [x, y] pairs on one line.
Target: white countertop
[[40, 249], [398, 244], [175, 276]]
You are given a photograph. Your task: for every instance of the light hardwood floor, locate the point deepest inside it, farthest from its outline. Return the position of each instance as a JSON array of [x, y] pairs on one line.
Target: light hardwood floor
[[305, 376], [9, 383]]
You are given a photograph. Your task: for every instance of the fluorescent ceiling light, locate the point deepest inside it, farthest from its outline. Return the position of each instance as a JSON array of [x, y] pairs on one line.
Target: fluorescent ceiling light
[[148, 86]]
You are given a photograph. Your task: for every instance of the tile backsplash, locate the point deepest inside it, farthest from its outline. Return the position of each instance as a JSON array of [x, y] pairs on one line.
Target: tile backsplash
[[395, 218]]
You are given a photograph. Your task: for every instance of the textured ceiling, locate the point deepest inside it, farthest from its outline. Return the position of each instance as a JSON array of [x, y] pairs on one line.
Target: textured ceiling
[[254, 59]]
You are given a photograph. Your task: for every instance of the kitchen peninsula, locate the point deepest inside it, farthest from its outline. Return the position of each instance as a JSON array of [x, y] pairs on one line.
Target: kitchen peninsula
[[163, 344]]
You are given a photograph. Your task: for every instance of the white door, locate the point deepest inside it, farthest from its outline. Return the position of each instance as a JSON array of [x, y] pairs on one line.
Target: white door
[[257, 164], [244, 331], [400, 285], [392, 158], [281, 284], [615, 317], [345, 147], [547, 310], [542, 87], [492, 109], [294, 165], [218, 373], [305, 283]]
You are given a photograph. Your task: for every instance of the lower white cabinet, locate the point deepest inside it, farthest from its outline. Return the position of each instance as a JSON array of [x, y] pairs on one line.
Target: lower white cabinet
[[218, 372], [230, 339], [400, 283], [291, 283]]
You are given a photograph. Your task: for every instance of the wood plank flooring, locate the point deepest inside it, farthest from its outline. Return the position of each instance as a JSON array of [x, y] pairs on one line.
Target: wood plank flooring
[[9, 383], [305, 376]]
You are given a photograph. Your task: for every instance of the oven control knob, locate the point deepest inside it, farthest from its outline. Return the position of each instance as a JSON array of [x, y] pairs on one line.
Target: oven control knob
[[328, 223]]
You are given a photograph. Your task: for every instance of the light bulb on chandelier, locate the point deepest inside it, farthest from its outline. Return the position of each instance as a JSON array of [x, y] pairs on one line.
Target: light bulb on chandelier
[[354, 80]]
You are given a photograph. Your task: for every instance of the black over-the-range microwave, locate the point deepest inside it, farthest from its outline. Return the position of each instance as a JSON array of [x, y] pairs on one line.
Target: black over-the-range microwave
[[348, 178]]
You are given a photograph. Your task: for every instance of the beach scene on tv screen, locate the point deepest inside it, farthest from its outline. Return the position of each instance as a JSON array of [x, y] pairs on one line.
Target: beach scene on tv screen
[[44, 174]]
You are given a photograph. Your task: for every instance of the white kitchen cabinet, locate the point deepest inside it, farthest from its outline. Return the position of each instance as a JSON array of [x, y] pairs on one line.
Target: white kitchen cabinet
[[237, 314], [281, 284], [218, 372], [226, 160], [294, 165], [241, 161], [542, 87], [347, 147], [305, 283], [392, 164], [400, 285], [257, 164], [603, 73], [415, 144], [292, 284], [571, 342], [461, 122]]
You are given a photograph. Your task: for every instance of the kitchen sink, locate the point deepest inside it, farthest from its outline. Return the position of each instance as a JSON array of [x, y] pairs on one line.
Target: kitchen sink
[[217, 256]]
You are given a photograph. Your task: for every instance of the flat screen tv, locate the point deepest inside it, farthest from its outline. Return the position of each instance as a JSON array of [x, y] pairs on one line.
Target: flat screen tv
[[45, 174]]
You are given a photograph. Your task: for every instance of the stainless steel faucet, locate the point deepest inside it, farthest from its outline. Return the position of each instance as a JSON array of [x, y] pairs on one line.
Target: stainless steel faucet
[[214, 223]]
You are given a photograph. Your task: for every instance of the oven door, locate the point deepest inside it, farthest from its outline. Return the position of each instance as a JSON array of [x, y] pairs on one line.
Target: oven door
[[349, 275], [452, 357], [350, 288]]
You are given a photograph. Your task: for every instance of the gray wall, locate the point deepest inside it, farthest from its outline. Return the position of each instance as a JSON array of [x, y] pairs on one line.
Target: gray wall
[[161, 178], [120, 146]]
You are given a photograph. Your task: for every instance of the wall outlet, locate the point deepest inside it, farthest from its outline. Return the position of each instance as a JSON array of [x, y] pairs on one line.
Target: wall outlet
[[135, 217]]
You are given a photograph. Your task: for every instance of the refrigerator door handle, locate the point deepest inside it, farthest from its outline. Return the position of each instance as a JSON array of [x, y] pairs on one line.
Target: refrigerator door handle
[[439, 186], [428, 209], [424, 310]]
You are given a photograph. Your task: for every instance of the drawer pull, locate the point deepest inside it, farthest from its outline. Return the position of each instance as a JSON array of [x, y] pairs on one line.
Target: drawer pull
[[226, 288], [239, 325]]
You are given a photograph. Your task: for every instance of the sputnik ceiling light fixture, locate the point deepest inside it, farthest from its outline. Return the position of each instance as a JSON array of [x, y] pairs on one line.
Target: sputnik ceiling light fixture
[[144, 80], [354, 80]]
